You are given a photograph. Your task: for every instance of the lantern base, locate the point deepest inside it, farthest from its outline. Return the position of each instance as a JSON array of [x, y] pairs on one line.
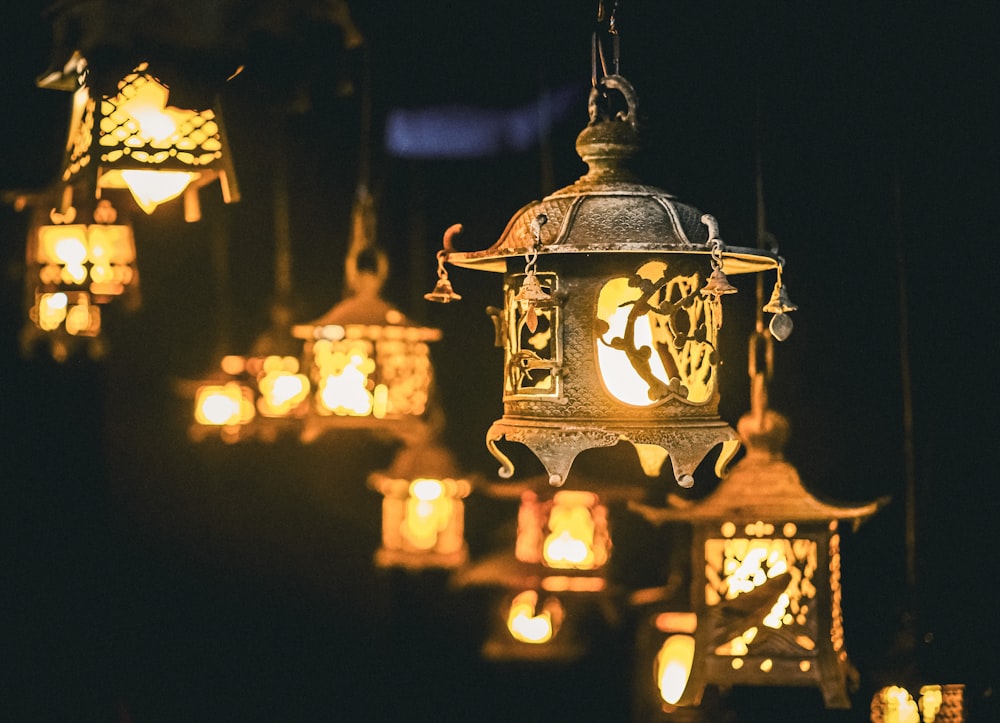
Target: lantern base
[[557, 444]]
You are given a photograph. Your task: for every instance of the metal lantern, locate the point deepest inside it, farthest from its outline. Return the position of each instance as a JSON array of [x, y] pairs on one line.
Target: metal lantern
[[423, 513], [765, 576], [368, 363], [98, 257], [611, 312], [132, 137]]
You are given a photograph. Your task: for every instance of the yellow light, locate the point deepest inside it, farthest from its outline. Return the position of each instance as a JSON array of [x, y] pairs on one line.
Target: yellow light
[[897, 705], [672, 667], [528, 626], [222, 405], [428, 512], [570, 544], [281, 392], [930, 702], [642, 356], [151, 188], [52, 310], [83, 319]]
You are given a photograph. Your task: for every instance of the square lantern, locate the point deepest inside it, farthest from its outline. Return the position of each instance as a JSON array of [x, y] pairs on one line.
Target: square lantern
[[553, 592], [765, 577], [423, 509], [368, 364], [132, 137], [97, 257], [611, 313]]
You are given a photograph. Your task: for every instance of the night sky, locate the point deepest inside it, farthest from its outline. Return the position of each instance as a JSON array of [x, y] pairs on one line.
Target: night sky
[[150, 578]]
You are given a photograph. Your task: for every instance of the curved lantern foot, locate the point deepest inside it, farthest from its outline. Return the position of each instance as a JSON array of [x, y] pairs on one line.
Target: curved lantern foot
[[556, 446]]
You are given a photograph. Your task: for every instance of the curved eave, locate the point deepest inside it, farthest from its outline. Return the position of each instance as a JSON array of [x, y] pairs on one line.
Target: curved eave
[[736, 259]]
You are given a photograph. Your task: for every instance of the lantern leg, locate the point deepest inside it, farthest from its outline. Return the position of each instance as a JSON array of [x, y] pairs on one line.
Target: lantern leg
[[556, 447]]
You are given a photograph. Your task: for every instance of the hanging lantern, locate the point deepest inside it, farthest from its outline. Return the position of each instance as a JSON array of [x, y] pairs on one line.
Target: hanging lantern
[[765, 561], [612, 305], [98, 257], [369, 365], [552, 595], [423, 513], [133, 138]]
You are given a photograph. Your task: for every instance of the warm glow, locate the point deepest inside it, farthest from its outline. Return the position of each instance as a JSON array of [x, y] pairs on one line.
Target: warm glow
[[151, 188], [571, 540], [428, 512], [52, 310], [930, 702], [223, 405], [529, 626], [344, 371], [897, 705], [282, 388], [672, 667], [668, 349]]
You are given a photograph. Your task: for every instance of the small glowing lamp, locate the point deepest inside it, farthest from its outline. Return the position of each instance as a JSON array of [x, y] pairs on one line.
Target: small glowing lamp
[[529, 624], [423, 512], [226, 406], [567, 531], [134, 139]]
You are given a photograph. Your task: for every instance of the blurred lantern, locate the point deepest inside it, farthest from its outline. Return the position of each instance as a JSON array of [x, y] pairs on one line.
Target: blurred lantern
[[765, 589], [936, 704], [612, 306], [132, 137], [98, 257], [423, 513], [368, 363], [552, 595]]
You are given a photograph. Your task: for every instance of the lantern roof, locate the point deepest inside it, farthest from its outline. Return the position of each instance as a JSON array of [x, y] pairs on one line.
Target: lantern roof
[[609, 209], [367, 314], [761, 486]]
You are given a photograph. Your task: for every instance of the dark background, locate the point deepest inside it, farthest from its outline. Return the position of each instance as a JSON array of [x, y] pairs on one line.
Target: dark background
[[149, 578]]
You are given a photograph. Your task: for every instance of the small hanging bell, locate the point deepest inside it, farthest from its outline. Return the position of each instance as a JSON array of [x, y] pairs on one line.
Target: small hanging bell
[[718, 285], [442, 293], [531, 290], [779, 303], [530, 293]]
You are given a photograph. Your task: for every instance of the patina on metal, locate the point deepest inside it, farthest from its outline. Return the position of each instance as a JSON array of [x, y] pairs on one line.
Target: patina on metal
[[612, 292]]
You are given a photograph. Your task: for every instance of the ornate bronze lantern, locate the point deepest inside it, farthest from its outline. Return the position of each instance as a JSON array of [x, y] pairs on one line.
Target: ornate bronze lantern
[[765, 606], [611, 312]]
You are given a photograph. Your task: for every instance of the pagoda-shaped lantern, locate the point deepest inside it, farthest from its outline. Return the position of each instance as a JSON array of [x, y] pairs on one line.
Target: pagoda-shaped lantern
[[765, 606], [611, 311]]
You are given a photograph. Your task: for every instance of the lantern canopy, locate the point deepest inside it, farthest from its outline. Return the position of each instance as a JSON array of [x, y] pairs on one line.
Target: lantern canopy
[[611, 312], [765, 562]]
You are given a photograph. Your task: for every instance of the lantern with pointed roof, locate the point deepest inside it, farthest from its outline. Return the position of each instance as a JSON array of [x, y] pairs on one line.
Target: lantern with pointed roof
[[765, 606], [611, 312], [368, 363]]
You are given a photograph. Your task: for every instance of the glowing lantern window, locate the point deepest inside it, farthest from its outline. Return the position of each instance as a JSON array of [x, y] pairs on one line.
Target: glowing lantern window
[[135, 139], [282, 389], [567, 532], [227, 405], [66, 310], [611, 308], [529, 624], [672, 667]]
